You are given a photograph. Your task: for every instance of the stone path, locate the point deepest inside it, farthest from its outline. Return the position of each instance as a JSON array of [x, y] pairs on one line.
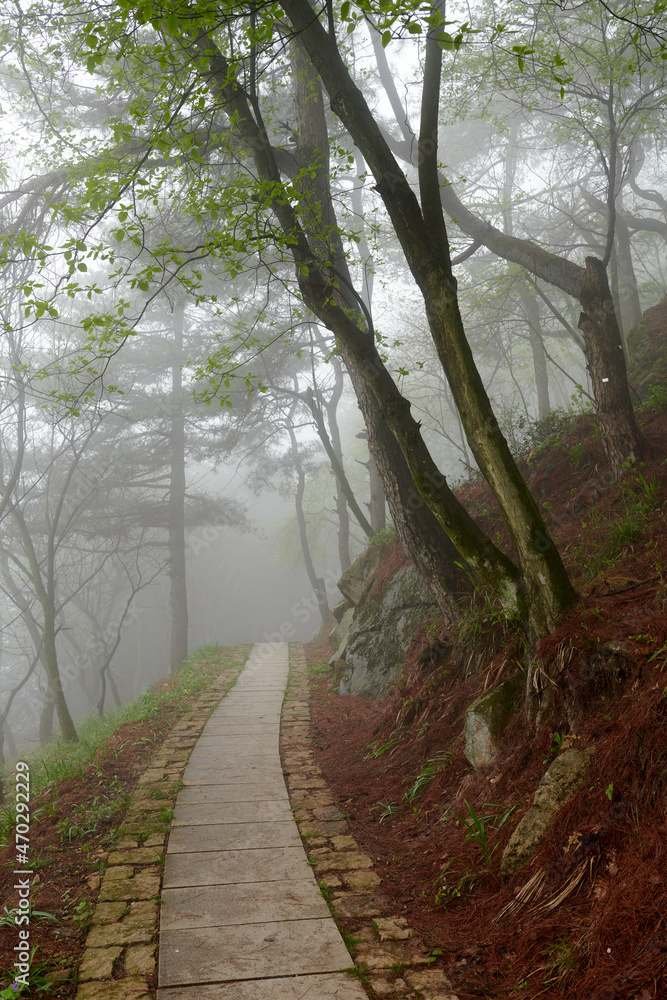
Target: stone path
[[242, 917]]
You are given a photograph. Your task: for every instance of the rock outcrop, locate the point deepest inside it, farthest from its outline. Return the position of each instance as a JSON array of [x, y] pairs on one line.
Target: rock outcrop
[[375, 629]]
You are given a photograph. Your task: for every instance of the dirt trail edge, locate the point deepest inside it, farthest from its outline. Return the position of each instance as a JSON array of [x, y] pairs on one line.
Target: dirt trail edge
[[242, 917], [390, 962]]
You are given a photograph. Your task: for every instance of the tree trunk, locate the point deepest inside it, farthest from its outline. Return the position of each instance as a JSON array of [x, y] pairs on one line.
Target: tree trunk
[[331, 297], [67, 729], [336, 458], [376, 503], [605, 361], [594, 299], [114, 689], [341, 502], [421, 534], [11, 743], [316, 582], [628, 292], [46, 719], [532, 314], [376, 506], [547, 591], [46, 595], [177, 579]]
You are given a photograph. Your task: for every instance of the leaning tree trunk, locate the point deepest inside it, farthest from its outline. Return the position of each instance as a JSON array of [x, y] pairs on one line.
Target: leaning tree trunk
[[67, 728], [178, 595], [421, 534], [546, 591], [323, 293]]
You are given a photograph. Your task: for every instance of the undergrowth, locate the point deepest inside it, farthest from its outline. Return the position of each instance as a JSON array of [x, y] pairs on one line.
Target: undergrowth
[[60, 760]]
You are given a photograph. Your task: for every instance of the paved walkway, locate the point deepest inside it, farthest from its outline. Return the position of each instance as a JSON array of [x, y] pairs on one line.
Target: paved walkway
[[242, 917]]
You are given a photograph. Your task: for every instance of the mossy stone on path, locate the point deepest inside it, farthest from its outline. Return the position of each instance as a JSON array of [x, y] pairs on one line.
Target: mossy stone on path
[[98, 962], [133, 988], [144, 885]]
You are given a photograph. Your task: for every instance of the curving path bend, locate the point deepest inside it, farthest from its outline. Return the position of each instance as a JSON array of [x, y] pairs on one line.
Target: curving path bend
[[242, 917]]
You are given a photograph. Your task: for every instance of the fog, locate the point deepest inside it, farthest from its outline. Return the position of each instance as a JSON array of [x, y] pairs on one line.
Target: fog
[[245, 331]]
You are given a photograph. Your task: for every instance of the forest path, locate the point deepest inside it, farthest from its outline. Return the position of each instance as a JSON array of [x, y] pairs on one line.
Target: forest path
[[242, 917]]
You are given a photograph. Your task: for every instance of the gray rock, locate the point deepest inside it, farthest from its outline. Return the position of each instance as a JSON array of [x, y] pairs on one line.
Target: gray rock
[[381, 632], [338, 637], [489, 716], [339, 609], [356, 577], [563, 779]]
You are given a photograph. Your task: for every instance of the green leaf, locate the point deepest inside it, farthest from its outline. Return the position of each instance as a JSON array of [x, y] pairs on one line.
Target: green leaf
[[386, 38], [171, 23], [345, 11], [120, 235]]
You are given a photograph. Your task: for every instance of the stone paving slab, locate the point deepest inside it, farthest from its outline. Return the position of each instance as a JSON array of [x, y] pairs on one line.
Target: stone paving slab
[[235, 759], [238, 775], [240, 907], [206, 813], [248, 711], [224, 728], [232, 836], [259, 791], [220, 867], [336, 986], [251, 951], [249, 903], [234, 747]]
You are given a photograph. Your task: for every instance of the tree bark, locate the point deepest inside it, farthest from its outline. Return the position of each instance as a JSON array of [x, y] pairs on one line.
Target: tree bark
[[46, 720], [605, 360], [316, 582], [532, 314], [628, 292], [178, 596], [342, 513]]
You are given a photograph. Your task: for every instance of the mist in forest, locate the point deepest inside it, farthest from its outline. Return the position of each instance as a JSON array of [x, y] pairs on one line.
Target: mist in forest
[[245, 330]]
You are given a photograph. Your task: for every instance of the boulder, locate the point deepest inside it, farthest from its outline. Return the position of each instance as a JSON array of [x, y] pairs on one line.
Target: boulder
[[562, 780], [356, 577], [381, 632], [339, 609], [489, 716], [338, 637]]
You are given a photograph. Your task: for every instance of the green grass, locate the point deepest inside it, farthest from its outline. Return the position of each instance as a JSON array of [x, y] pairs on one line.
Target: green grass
[[60, 760]]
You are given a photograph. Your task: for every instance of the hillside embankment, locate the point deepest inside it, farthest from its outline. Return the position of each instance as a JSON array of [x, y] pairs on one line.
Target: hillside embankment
[[580, 913]]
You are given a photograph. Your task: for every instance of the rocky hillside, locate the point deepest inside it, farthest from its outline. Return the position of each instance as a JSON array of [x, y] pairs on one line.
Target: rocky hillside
[[521, 832]]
